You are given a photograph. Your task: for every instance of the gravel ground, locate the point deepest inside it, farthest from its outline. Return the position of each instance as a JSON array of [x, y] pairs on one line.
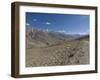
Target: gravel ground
[[68, 53]]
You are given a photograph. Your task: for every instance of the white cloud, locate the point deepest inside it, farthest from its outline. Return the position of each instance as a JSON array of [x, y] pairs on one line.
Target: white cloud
[[68, 32], [83, 33], [62, 31], [48, 23], [27, 24], [34, 19]]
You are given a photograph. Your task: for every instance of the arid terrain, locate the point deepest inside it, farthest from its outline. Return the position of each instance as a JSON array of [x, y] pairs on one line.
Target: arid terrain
[[55, 49]]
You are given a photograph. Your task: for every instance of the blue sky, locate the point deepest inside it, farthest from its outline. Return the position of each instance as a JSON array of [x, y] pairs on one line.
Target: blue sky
[[65, 23]]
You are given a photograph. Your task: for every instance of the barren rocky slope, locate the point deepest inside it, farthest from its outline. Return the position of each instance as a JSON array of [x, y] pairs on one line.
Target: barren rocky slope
[[45, 50]]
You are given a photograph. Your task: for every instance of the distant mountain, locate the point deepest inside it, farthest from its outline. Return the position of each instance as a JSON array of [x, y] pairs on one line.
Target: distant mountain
[[84, 37], [42, 38]]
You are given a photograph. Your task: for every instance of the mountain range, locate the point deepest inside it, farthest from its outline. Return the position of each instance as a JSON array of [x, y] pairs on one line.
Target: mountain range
[[42, 38]]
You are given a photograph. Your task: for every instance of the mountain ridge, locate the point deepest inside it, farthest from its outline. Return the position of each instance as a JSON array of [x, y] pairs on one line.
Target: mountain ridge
[[42, 38]]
